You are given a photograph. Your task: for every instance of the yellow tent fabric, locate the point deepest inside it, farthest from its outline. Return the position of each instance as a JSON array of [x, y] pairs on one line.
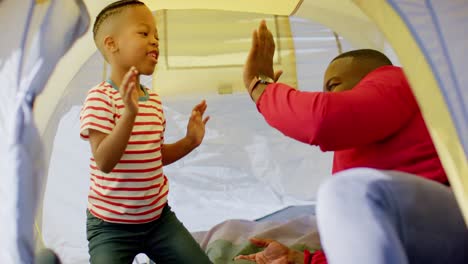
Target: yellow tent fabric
[[259, 6], [428, 94], [210, 57]]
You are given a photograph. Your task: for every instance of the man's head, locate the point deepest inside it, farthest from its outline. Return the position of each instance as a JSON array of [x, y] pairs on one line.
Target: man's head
[[347, 69], [126, 35]]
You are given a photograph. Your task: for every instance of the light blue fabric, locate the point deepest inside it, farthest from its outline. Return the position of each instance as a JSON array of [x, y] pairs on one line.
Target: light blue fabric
[[29, 54], [368, 216], [441, 31]]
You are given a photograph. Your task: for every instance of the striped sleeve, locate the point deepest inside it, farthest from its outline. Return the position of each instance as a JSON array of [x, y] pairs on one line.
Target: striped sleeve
[[97, 113]]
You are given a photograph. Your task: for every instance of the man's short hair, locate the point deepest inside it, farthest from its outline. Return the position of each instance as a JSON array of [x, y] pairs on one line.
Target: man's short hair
[[366, 54], [112, 10]]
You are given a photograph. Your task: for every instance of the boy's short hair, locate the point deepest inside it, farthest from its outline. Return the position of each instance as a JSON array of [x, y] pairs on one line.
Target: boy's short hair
[[111, 10], [108, 12], [366, 54]]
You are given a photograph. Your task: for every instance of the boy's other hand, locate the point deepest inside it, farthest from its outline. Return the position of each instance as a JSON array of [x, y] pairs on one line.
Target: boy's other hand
[[196, 124], [129, 91]]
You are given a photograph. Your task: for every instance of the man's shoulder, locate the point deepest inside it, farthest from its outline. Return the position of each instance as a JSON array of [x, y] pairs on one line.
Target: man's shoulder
[[388, 73], [388, 83], [386, 76], [388, 70]]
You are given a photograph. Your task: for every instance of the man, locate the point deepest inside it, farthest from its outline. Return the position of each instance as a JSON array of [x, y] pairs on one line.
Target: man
[[389, 200]]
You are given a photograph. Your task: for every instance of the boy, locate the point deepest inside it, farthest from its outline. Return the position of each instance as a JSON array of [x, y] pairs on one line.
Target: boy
[[127, 211]]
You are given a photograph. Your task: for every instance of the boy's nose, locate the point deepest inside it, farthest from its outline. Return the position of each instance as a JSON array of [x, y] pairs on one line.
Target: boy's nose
[[154, 42]]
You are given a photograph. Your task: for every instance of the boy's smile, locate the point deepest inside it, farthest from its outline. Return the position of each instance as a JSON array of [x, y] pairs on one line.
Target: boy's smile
[[154, 55]]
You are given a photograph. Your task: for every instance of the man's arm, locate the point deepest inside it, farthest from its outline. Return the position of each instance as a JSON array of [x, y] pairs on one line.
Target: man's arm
[[273, 252], [372, 111]]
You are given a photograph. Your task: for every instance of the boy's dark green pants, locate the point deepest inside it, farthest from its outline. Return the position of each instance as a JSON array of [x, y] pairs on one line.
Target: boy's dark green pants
[[164, 240]]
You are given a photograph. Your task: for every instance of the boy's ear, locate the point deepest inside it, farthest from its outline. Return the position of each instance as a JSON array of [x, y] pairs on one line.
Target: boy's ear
[[110, 44]]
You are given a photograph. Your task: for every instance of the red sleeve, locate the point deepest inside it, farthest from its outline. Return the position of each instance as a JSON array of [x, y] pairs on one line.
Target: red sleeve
[[318, 257], [376, 108]]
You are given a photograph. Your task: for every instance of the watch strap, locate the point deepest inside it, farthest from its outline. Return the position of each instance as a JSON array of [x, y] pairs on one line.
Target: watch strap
[[256, 80]]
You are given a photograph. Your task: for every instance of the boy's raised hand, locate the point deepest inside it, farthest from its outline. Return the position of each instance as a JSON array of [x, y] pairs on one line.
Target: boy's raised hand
[[196, 124], [129, 92]]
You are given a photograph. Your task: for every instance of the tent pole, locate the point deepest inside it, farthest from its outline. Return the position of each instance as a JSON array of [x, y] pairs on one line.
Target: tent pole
[[338, 42]]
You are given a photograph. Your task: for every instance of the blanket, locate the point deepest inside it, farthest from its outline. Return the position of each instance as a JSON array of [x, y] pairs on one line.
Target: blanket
[[230, 238]]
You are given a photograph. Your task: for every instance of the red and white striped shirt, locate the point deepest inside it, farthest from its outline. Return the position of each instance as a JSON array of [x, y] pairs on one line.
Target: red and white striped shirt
[[136, 190]]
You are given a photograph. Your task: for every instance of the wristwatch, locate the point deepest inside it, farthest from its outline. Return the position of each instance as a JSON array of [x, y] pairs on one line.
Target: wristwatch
[[263, 79]]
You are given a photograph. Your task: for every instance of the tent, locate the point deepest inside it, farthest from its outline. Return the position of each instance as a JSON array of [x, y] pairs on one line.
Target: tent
[[244, 169]]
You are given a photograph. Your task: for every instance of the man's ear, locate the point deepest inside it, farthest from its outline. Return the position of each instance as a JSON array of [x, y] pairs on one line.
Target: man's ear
[[110, 45]]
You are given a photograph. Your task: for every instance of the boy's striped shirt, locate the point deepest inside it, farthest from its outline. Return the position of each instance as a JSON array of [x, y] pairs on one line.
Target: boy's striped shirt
[[136, 190]]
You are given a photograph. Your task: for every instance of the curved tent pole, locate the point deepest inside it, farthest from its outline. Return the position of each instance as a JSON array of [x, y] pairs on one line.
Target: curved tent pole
[[338, 42], [297, 7]]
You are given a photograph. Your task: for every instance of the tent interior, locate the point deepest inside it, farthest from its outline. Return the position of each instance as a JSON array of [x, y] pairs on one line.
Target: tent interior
[[241, 171], [244, 169]]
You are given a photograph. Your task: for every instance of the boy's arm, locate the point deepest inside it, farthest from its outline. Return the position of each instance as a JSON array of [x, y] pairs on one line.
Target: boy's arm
[[175, 151], [195, 133], [108, 148]]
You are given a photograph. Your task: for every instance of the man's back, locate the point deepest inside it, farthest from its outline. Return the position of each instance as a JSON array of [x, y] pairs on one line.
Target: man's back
[[409, 148]]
